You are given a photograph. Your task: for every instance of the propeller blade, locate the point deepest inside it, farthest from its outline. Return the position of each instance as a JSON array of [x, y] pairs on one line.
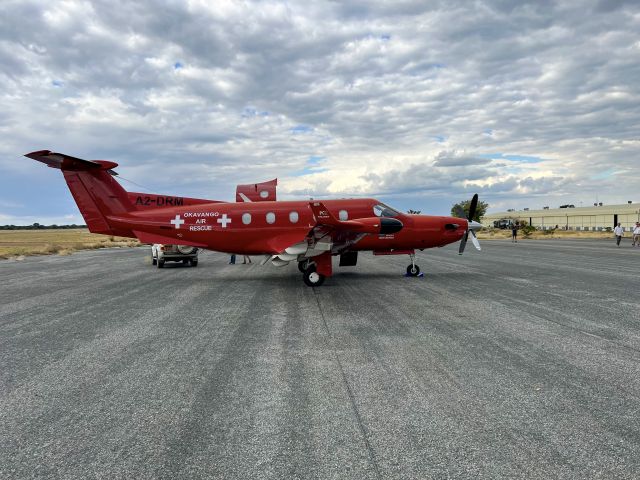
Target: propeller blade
[[463, 243], [473, 206], [475, 241]]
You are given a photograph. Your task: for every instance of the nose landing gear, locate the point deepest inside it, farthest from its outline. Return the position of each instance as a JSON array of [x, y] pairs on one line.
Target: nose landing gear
[[413, 270]]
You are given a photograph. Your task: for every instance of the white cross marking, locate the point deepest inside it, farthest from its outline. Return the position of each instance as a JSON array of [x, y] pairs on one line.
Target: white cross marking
[[224, 220], [177, 221]]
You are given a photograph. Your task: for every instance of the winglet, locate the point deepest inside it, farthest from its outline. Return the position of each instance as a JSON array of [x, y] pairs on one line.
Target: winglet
[[322, 214]]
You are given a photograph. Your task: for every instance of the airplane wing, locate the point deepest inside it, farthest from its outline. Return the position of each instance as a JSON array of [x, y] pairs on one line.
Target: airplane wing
[[342, 234], [329, 234]]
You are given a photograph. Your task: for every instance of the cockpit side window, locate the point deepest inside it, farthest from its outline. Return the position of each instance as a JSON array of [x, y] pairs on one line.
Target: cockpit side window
[[382, 210]]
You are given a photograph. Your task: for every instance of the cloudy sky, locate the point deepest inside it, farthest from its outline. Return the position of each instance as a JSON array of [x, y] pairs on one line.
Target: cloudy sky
[[418, 103]]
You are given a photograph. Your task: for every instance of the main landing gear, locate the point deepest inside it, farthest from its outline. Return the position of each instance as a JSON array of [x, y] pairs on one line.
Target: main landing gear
[[310, 276], [413, 270], [316, 270]]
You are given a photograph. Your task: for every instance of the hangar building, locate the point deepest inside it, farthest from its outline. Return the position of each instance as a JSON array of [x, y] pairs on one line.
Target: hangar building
[[570, 218]]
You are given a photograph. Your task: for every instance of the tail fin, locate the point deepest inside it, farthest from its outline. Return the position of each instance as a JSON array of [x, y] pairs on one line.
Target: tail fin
[[93, 187]]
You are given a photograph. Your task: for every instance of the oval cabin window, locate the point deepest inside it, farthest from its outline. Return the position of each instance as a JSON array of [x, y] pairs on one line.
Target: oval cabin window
[[246, 218], [343, 215], [271, 217], [264, 194], [293, 217]]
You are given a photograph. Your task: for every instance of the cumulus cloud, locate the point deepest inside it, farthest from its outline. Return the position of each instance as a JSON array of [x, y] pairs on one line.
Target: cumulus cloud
[[398, 98]]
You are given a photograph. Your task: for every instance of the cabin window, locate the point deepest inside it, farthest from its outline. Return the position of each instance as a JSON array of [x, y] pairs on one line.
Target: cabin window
[[293, 217], [271, 217], [264, 194], [343, 215], [246, 218]]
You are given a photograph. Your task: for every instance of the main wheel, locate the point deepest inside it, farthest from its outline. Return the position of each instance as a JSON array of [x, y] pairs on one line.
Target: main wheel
[[413, 270], [312, 278], [194, 263], [160, 263]]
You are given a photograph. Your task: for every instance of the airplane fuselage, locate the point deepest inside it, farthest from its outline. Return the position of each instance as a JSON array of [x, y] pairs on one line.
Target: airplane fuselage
[[270, 227]]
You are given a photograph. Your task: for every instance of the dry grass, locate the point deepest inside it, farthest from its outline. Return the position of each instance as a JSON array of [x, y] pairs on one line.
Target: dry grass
[[490, 234], [17, 243]]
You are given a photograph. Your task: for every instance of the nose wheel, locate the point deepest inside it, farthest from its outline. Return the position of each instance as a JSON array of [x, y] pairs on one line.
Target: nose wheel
[[413, 270]]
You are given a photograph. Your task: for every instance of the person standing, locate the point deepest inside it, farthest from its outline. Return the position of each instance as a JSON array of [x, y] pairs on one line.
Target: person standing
[[636, 235], [619, 231], [232, 260], [514, 233]]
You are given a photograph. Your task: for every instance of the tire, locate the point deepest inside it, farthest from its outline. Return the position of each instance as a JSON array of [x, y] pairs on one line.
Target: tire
[[413, 272], [160, 263], [194, 263], [312, 278], [186, 249], [186, 261], [154, 260]]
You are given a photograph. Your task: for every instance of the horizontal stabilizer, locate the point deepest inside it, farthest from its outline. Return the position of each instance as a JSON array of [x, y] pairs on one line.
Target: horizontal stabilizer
[[153, 238], [67, 162], [257, 192]]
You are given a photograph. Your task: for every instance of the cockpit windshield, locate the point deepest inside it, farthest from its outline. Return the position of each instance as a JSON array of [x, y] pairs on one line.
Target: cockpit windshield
[[382, 210]]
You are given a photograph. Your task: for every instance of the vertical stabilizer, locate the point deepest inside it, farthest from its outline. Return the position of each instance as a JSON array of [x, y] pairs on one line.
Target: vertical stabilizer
[[94, 189]]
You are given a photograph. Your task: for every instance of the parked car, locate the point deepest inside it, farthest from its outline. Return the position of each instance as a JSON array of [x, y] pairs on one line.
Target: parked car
[[173, 253]]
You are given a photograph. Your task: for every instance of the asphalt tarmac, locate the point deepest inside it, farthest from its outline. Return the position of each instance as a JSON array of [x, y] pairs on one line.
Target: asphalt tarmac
[[520, 361]]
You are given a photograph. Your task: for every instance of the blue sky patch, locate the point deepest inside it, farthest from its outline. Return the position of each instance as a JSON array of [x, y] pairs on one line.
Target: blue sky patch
[[514, 158], [252, 112], [312, 166], [604, 174], [57, 83], [177, 66], [301, 129]]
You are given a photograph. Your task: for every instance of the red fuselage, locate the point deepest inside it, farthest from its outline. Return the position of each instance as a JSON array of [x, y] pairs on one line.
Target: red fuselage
[[271, 227]]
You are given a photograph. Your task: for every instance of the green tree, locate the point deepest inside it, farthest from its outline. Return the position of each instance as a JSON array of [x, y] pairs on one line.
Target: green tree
[[481, 209]]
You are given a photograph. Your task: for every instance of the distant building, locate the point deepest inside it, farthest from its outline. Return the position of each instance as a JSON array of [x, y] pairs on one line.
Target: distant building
[[571, 218]]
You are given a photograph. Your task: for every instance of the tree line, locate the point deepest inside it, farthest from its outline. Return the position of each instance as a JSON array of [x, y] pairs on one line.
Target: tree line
[[37, 226]]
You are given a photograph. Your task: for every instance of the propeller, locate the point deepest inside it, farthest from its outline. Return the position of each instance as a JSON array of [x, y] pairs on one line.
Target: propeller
[[472, 225]]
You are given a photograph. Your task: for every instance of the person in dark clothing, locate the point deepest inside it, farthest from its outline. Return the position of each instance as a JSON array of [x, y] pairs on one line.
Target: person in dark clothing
[[232, 260], [514, 233]]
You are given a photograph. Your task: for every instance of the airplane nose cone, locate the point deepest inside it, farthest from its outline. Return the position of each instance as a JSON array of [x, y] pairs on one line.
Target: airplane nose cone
[[390, 225]]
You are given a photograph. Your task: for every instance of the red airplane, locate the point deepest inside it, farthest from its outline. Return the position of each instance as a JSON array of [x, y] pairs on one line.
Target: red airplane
[[308, 232]]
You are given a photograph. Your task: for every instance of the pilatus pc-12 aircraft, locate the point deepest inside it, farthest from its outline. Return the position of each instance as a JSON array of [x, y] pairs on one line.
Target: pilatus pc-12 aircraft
[[306, 232]]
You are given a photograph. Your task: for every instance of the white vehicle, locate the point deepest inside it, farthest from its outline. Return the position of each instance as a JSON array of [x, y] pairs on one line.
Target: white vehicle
[[173, 253]]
